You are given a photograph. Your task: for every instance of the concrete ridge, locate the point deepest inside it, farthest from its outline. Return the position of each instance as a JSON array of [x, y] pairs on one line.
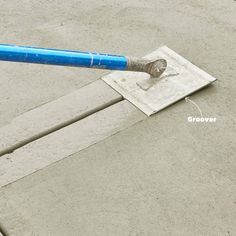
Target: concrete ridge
[[55, 115], [75, 137]]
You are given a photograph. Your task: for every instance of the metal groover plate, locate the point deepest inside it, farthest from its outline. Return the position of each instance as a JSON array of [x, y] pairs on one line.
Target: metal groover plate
[[151, 95]]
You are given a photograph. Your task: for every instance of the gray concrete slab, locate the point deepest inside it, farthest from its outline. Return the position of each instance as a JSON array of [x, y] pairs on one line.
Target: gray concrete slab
[[66, 141], [54, 115], [137, 182], [15, 220], [163, 176]]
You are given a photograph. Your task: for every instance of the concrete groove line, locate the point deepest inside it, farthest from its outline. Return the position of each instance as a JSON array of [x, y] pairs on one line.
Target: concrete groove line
[[44, 103], [22, 131], [77, 152], [56, 128], [77, 136]]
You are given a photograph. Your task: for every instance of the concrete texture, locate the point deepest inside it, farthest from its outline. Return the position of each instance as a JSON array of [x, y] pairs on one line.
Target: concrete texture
[[133, 183], [54, 115], [65, 142], [163, 176], [14, 220]]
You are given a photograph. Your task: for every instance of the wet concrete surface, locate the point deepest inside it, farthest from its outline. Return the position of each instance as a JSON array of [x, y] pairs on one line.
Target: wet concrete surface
[[162, 176]]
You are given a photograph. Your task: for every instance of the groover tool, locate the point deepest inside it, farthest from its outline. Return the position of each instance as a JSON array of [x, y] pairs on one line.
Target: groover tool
[[169, 77], [80, 59], [180, 79]]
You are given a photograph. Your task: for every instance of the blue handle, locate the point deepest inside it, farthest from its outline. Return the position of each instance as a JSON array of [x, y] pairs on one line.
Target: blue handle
[[61, 57]]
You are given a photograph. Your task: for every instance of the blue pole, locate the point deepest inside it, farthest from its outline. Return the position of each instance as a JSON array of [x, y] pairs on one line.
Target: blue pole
[[62, 57]]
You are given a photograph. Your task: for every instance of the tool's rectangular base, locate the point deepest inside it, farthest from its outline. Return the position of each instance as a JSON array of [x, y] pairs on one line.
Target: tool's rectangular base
[[151, 95]]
